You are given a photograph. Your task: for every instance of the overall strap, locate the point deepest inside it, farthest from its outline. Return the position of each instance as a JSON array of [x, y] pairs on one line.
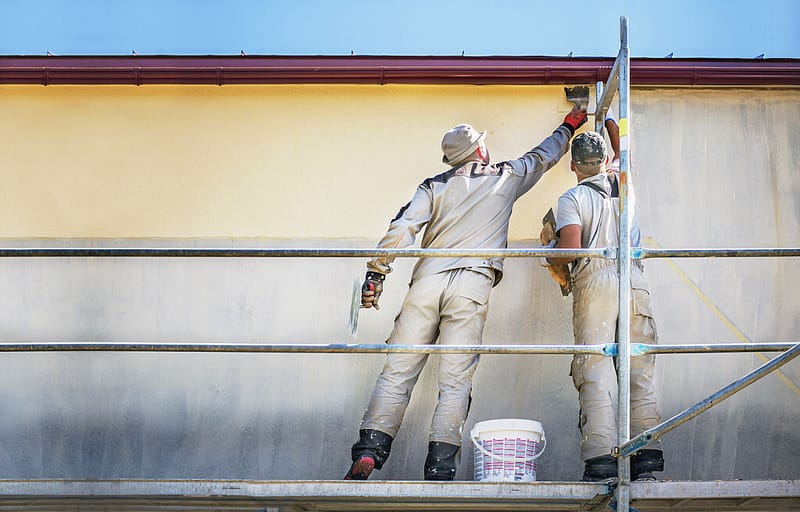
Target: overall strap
[[598, 188]]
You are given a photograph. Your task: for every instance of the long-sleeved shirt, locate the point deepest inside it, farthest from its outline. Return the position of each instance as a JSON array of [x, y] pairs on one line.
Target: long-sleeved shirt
[[468, 207]]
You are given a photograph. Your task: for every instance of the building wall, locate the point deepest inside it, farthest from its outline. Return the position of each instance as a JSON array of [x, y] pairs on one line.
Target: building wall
[[244, 161], [328, 166]]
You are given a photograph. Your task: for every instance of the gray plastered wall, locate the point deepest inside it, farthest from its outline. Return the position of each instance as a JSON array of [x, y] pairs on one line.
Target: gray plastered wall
[[712, 168]]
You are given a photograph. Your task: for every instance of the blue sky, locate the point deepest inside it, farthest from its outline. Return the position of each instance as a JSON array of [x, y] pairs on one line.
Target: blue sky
[[685, 28]]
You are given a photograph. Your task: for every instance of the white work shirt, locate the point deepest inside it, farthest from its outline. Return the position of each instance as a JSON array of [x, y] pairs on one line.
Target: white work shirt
[[598, 217], [469, 207]]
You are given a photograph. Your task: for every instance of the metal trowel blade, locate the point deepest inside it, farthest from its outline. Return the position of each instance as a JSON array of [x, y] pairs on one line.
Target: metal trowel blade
[[355, 305], [578, 96]]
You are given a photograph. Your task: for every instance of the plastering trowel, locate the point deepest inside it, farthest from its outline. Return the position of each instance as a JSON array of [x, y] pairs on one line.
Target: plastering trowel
[[578, 96], [355, 307]]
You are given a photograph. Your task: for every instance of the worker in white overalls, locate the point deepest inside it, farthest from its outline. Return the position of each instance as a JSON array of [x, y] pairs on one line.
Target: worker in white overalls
[[588, 217], [468, 206]]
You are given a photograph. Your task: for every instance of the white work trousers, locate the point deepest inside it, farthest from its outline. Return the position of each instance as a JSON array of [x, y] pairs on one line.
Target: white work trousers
[[595, 309], [452, 307]]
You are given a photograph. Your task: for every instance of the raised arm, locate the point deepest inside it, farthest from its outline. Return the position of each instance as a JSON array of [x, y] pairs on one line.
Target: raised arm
[[613, 137], [534, 163]]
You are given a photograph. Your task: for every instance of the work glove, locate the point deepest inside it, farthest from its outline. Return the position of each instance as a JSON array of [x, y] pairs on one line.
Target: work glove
[[575, 119], [559, 273], [548, 238], [371, 289]]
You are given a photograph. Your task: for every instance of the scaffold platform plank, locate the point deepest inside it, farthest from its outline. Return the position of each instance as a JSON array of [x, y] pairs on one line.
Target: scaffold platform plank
[[301, 496]]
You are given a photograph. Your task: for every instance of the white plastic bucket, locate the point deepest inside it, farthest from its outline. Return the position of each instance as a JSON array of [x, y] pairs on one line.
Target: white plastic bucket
[[506, 450]]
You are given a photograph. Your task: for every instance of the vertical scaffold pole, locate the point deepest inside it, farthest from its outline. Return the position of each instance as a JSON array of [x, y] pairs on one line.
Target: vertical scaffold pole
[[599, 117], [624, 262]]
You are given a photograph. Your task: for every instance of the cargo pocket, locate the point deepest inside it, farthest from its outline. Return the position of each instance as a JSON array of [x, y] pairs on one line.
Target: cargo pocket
[[576, 370], [643, 325], [641, 302], [476, 287]]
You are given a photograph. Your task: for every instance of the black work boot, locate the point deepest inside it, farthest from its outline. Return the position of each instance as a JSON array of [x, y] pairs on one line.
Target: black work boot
[[361, 468], [601, 468], [644, 462], [370, 452], [440, 464]]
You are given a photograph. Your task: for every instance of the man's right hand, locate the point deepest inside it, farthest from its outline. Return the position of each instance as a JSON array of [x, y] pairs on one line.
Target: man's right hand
[[576, 118], [371, 289]]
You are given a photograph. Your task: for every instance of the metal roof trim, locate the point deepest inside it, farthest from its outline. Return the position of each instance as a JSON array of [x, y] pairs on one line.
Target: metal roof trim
[[221, 70]]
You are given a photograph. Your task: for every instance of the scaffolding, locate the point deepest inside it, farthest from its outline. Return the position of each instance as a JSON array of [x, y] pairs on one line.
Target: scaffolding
[[617, 495], [619, 81]]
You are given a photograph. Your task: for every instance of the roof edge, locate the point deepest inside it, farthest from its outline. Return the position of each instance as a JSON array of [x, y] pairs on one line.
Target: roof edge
[[495, 70]]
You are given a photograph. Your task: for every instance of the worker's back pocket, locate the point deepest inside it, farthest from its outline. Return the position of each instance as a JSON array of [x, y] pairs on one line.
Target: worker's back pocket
[[643, 322], [475, 286], [641, 302]]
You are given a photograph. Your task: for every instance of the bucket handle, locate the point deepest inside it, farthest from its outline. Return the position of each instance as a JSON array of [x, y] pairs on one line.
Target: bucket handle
[[508, 459]]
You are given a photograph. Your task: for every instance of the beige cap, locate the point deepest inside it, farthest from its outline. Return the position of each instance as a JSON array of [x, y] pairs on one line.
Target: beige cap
[[460, 142]]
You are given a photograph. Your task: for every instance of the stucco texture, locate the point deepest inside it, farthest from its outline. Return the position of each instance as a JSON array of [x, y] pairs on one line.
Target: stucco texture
[[328, 166]]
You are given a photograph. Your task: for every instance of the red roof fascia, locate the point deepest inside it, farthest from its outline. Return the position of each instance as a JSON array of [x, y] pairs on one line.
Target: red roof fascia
[[222, 70]]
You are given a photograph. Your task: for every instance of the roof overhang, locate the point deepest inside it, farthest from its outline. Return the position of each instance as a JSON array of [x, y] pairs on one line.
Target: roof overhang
[[225, 70]]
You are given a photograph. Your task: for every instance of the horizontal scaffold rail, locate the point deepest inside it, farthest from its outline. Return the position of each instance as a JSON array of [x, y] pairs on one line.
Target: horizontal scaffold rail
[[631, 446], [170, 252], [255, 252], [645, 252], [606, 349], [638, 349], [347, 348]]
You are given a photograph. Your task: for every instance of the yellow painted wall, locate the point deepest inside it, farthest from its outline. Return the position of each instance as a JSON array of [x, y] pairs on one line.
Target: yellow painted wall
[[248, 161]]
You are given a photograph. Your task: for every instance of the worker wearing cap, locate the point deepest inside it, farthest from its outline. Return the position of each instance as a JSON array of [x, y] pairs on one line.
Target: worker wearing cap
[[466, 207], [588, 217]]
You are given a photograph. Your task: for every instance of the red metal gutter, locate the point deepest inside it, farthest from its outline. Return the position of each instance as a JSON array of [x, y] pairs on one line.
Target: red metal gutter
[[139, 70]]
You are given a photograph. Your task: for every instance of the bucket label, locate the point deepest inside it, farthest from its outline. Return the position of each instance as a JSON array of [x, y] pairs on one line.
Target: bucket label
[[513, 460]]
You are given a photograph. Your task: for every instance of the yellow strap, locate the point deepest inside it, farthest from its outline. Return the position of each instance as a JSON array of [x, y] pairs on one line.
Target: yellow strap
[[623, 127]]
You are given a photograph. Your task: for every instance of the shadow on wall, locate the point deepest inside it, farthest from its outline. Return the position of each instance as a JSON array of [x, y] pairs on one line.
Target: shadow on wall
[[295, 416]]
